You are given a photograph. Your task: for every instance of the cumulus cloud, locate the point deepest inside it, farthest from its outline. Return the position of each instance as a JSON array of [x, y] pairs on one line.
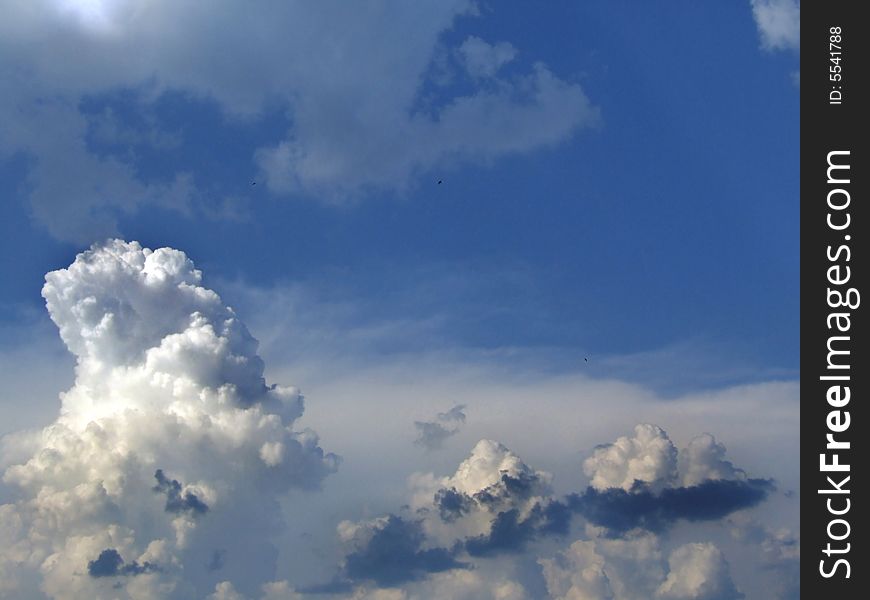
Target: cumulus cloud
[[704, 459], [274, 590], [478, 523], [496, 505], [493, 491], [606, 569], [503, 503], [349, 79], [649, 458], [635, 568], [777, 550], [499, 504], [495, 475], [650, 461], [456, 585], [432, 434], [169, 389], [643, 481], [698, 572], [779, 23]]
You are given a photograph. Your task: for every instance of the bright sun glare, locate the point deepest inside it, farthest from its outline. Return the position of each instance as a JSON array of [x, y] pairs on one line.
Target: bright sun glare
[[95, 14]]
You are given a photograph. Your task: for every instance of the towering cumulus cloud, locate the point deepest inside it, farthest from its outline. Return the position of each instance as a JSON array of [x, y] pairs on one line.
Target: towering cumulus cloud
[[170, 449]]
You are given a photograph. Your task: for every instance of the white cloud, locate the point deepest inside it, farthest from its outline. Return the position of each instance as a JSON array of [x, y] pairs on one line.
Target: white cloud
[[456, 585], [349, 79], [698, 572], [488, 463], [483, 59], [169, 447], [274, 590], [468, 585], [601, 568], [379, 149], [777, 550], [492, 479], [779, 23], [634, 568], [555, 432], [704, 459], [649, 457], [652, 459]]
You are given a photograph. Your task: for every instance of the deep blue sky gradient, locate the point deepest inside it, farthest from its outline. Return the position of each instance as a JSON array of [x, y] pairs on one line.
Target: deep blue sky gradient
[[676, 219]]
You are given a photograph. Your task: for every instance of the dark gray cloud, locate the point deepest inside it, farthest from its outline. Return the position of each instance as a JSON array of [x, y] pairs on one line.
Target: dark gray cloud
[[395, 554], [432, 434], [510, 533], [615, 509], [519, 508], [509, 489], [176, 500], [452, 504], [619, 510], [506, 493], [110, 564]]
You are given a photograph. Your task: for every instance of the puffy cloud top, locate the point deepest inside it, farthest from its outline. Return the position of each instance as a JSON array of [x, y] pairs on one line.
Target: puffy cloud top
[[649, 457], [169, 389], [700, 572], [704, 459], [123, 305], [634, 568], [488, 464]]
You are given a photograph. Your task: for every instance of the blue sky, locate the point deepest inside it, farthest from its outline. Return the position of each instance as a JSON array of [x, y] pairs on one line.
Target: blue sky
[[470, 231], [674, 218]]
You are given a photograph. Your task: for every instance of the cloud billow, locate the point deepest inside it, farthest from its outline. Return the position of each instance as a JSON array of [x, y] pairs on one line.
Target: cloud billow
[[643, 481], [495, 506], [168, 381], [637, 567]]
